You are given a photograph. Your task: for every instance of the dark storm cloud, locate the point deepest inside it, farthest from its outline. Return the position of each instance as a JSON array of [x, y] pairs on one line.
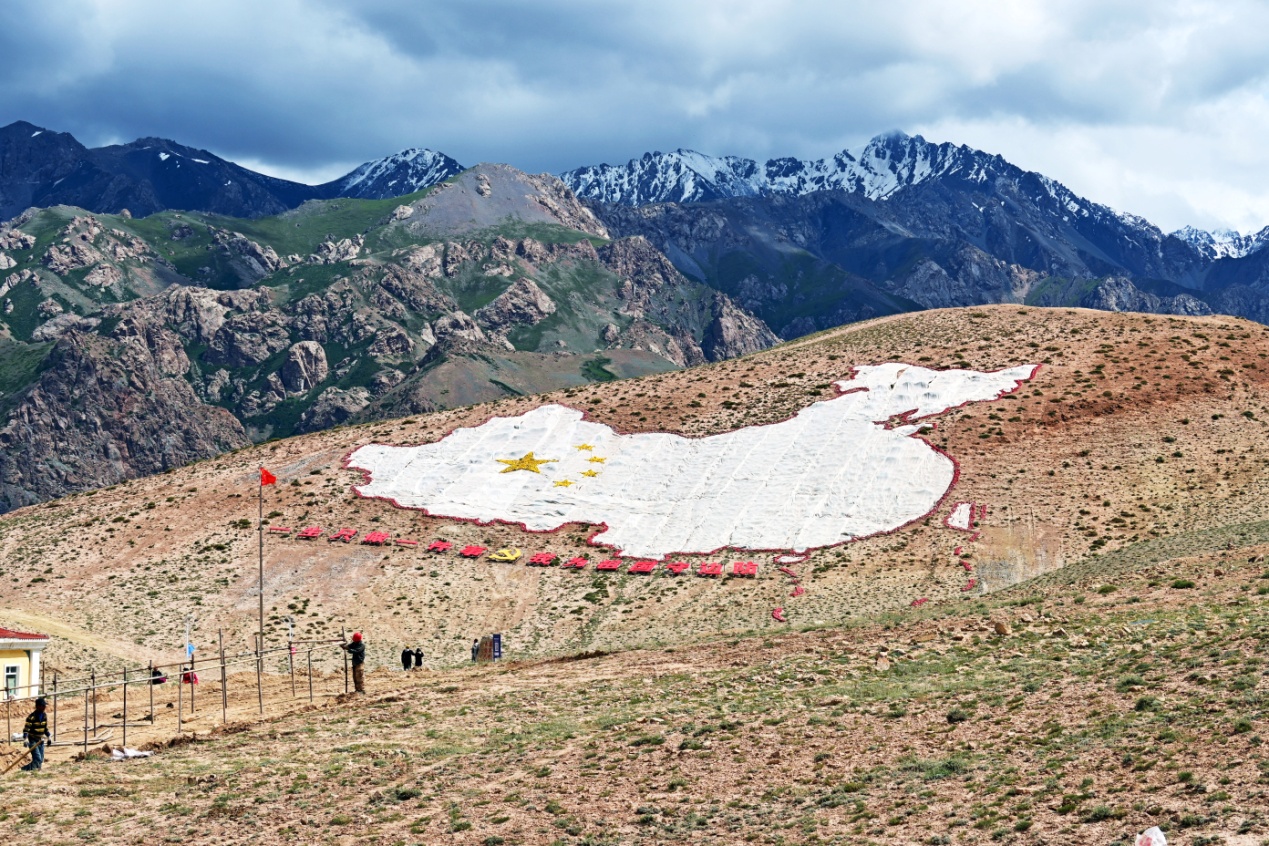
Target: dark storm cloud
[[1144, 105]]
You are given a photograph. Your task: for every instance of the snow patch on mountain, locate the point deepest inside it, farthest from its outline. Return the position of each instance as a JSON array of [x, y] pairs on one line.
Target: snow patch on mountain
[[401, 173], [1223, 243]]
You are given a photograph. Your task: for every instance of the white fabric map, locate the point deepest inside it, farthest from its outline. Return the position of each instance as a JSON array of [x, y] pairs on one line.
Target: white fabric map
[[832, 473]]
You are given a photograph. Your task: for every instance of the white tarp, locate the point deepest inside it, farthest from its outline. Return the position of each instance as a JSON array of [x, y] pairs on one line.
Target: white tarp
[[961, 516], [832, 473]]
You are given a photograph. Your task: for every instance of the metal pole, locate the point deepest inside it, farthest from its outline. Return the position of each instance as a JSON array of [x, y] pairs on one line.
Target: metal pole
[[193, 675], [259, 682], [260, 531], [290, 650], [53, 735], [94, 680], [86, 695], [310, 674], [125, 706], [180, 697], [344, 635], [224, 695], [151, 693]]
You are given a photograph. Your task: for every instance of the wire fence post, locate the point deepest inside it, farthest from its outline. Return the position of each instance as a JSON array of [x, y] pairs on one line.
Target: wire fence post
[[193, 682], [310, 674], [224, 683], [180, 698], [87, 691], [53, 734], [94, 681], [125, 706], [152, 693], [344, 637]]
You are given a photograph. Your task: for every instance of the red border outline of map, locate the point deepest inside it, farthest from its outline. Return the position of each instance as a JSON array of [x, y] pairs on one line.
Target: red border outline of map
[[905, 419]]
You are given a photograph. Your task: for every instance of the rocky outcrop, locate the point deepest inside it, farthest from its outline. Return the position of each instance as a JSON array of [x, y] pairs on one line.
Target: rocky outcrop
[[331, 251], [15, 239], [523, 304], [305, 367], [333, 407], [60, 325], [1120, 294], [734, 332], [64, 258], [248, 339], [107, 409], [257, 261], [457, 333]]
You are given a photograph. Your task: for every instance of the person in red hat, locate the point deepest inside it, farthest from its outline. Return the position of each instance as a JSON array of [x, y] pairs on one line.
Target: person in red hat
[[357, 649]]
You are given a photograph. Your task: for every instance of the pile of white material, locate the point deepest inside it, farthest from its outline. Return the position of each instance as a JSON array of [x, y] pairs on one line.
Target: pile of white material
[[961, 516], [122, 753], [831, 474]]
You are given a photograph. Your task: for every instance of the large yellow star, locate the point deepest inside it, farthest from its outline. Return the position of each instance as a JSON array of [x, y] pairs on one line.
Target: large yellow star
[[525, 462], [595, 459], [590, 473], [563, 483], [584, 447]]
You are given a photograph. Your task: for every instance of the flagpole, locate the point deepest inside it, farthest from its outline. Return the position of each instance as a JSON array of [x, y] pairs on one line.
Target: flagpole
[[260, 530]]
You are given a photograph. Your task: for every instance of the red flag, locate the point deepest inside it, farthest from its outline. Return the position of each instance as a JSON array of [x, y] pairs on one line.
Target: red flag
[[267, 478]]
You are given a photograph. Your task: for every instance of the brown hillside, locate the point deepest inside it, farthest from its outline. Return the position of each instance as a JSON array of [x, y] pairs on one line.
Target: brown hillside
[[1137, 428]]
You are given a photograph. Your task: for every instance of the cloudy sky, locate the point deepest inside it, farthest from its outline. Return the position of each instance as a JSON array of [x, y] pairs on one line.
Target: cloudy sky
[[1156, 107]]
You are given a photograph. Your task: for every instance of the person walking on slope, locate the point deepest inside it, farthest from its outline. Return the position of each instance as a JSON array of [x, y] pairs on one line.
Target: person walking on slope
[[418, 658], [357, 650], [35, 734], [407, 658]]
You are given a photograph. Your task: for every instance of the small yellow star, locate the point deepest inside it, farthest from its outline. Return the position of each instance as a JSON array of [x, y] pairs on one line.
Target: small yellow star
[[595, 459], [584, 447], [563, 483], [591, 473], [525, 462]]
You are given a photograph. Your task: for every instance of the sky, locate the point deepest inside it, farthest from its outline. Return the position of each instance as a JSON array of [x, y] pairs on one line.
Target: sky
[[1155, 107]]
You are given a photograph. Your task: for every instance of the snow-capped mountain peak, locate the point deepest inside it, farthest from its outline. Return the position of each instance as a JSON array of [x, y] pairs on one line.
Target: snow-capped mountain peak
[[878, 169], [405, 172], [1222, 243]]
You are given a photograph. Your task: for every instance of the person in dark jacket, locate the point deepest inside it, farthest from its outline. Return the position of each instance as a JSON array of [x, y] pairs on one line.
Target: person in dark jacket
[[407, 658], [418, 658], [475, 649], [35, 734], [357, 651]]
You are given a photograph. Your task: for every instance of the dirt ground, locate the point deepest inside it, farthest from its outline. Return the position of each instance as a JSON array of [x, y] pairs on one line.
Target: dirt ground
[[1080, 708]]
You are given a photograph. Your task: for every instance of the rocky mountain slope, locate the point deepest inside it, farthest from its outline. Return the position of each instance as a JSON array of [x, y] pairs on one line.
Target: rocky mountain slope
[[980, 232], [496, 283]]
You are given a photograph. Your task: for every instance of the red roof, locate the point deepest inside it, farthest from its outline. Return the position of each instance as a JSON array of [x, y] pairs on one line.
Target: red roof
[[10, 634]]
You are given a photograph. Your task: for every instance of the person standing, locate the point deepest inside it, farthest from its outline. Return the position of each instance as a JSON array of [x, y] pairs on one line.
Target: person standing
[[35, 734], [407, 658], [357, 651], [418, 658], [475, 649]]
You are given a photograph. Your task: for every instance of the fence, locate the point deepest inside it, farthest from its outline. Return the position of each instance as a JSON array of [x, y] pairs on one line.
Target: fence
[[96, 688]]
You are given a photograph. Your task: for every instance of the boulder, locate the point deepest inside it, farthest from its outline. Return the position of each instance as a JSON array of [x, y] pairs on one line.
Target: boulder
[[305, 367], [524, 303]]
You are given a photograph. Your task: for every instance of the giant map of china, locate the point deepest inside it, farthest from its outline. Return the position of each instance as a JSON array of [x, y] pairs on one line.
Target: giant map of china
[[839, 470]]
